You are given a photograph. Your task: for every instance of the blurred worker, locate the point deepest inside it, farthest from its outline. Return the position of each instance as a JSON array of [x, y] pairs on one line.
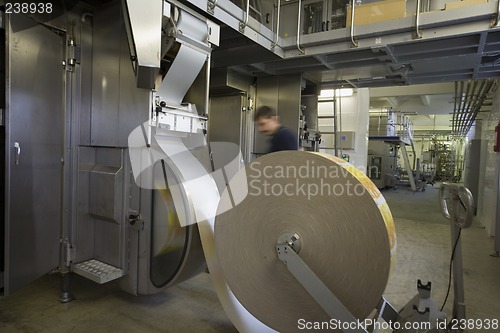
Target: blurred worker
[[268, 123]]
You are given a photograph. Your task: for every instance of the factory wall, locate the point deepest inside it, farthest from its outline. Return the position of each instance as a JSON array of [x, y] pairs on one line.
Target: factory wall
[[353, 115]]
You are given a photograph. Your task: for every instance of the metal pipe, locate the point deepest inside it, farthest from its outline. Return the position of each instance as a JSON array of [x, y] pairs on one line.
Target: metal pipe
[[66, 284], [474, 98], [247, 14], [460, 100], [496, 247], [477, 101], [335, 129], [276, 36], [482, 97], [453, 119], [461, 106], [340, 125], [354, 42], [458, 275], [207, 88], [418, 34], [247, 17], [298, 28], [469, 97], [471, 100], [457, 206]]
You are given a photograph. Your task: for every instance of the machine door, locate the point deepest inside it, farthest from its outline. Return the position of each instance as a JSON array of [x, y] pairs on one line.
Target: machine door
[[33, 150]]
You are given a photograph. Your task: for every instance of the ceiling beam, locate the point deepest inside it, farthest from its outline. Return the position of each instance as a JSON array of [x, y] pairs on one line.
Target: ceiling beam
[[393, 101], [414, 90], [426, 99]]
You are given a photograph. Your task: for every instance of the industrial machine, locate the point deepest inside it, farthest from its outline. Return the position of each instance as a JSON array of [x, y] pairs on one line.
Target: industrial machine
[[114, 172], [390, 132], [382, 163], [309, 138]]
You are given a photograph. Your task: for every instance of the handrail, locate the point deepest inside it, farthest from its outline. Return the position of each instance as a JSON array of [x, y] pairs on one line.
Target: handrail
[[418, 34], [277, 26], [355, 43], [298, 28], [247, 16]]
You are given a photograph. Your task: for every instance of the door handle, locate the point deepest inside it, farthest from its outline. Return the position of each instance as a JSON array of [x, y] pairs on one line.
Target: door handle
[[17, 147]]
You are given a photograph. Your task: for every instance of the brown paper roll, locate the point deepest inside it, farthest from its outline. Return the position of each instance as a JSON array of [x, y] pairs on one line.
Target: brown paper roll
[[346, 233]]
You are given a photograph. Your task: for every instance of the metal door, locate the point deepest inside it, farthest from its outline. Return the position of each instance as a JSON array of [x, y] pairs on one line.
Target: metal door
[[33, 151]]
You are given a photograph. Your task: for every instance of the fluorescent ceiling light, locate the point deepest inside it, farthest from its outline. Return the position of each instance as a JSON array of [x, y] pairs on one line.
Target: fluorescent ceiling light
[[344, 92]]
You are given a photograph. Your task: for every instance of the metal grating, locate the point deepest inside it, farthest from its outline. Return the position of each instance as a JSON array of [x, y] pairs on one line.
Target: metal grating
[[97, 271]]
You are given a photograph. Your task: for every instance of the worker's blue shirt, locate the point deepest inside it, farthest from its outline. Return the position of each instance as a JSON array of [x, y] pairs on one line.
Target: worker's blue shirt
[[284, 139]]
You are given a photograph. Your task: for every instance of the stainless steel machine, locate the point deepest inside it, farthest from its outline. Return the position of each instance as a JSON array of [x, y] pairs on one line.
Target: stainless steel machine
[[108, 172], [119, 71], [382, 163]]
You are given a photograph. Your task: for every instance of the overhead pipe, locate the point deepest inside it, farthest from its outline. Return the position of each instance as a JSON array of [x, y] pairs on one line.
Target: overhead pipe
[[474, 98], [464, 109], [453, 119], [466, 104], [484, 94], [462, 101], [470, 99], [457, 109], [298, 28], [459, 97]]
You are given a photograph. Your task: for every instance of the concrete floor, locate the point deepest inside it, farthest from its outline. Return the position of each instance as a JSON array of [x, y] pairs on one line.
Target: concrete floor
[[423, 252]]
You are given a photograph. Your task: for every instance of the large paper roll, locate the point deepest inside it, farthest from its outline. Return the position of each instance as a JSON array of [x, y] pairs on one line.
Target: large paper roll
[[346, 233]]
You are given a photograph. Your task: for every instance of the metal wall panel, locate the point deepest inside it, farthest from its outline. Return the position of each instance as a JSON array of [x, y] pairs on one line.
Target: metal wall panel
[[2, 155], [267, 93], [2, 69], [108, 232], [311, 112], [289, 99], [225, 125], [105, 192], [118, 106], [284, 94], [134, 104], [85, 226], [105, 76], [225, 119], [34, 120], [102, 194], [85, 101]]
